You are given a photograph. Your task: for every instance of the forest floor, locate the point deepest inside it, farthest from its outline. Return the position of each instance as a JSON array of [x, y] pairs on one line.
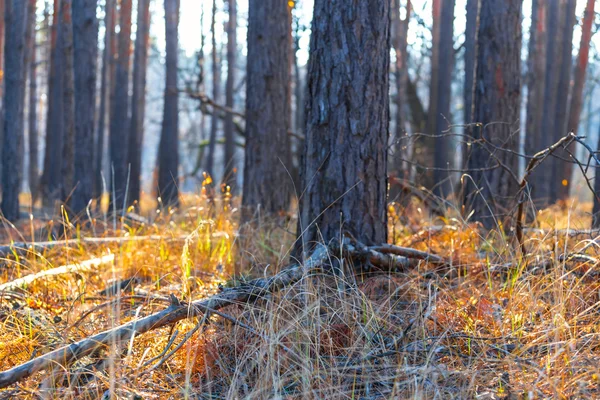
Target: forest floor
[[489, 325]]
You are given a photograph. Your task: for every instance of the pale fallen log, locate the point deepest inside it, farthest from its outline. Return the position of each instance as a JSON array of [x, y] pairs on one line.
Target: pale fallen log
[[82, 266], [408, 253]]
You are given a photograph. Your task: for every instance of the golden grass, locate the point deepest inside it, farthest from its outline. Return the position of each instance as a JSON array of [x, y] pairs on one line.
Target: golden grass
[[491, 326]]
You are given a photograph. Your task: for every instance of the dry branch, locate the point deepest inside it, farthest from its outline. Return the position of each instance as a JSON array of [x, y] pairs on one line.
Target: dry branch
[[409, 253], [63, 269]]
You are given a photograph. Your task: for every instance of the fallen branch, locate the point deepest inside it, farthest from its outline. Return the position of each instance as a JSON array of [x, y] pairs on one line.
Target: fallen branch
[[409, 253], [174, 313], [63, 269]]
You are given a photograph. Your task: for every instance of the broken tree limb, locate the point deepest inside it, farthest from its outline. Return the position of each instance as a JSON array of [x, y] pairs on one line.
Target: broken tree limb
[[409, 253], [174, 313], [63, 269]]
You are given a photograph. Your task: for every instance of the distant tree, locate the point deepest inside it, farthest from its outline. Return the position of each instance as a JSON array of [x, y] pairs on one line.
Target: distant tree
[[32, 104], [14, 94], [68, 99], [85, 50], [216, 93], [105, 92], [228, 127], [469, 60], [560, 185], [168, 152], [119, 115], [345, 168], [536, 72], [577, 94], [138, 98], [268, 108], [496, 100], [443, 152], [51, 181]]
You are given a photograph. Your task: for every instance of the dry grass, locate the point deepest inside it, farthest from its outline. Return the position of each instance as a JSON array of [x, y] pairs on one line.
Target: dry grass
[[491, 326]]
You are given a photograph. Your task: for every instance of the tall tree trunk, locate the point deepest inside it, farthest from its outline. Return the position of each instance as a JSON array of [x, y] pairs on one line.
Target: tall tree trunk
[[169, 139], [345, 169], [496, 99], [596, 209], [68, 154], [32, 105], [228, 127], [470, 49], [268, 109], [119, 139], [216, 94], [560, 188], [443, 153], [14, 94], [138, 98], [51, 188], [577, 95], [85, 50], [105, 83], [2, 41]]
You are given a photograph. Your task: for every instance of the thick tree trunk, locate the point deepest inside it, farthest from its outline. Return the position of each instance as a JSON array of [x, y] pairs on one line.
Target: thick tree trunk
[[470, 48], [138, 98], [85, 50], [577, 95], [2, 41], [68, 98], [119, 129], [51, 188], [496, 100], [536, 72], [228, 127], [560, 186], [32, 104], [169, 139], [596, 209], [216, 94], [14, 94], [347, 123], [105, 83], [268, 110], [443, 153]]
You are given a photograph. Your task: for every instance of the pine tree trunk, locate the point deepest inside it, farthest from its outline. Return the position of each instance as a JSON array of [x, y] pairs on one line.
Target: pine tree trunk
[[32, 104], [169, 139], [138, 98], [536, 71], [14, 94], [577, 95], [216, 95], [51, 188], [443, 153], [68, 154], [268, 111], [560, 186], [105, 84], [228, 127], [85, 50], [345, 169], [496, 100], [119, 129], [470, 48]]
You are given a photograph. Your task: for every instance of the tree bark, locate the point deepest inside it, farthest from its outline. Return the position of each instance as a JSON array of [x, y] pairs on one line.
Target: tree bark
[[345, 168], [51, 181], [268, 110], [577, 95], [228, 127], [216, 94], [497, 103], [105, 84], [68, 98], [14, 94], [138, 98], [560, 186], [470, 49], [443, 142], [169, 139], [85, 50], [119, 139], [32, 105]]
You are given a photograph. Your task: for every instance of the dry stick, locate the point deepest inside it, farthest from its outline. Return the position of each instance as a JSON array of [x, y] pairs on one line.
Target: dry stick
[[63, 269], [409, 253], [538, 158], [174, 313]]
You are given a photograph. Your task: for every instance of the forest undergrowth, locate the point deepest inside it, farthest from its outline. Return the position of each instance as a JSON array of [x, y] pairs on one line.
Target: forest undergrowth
[[488, 324]]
